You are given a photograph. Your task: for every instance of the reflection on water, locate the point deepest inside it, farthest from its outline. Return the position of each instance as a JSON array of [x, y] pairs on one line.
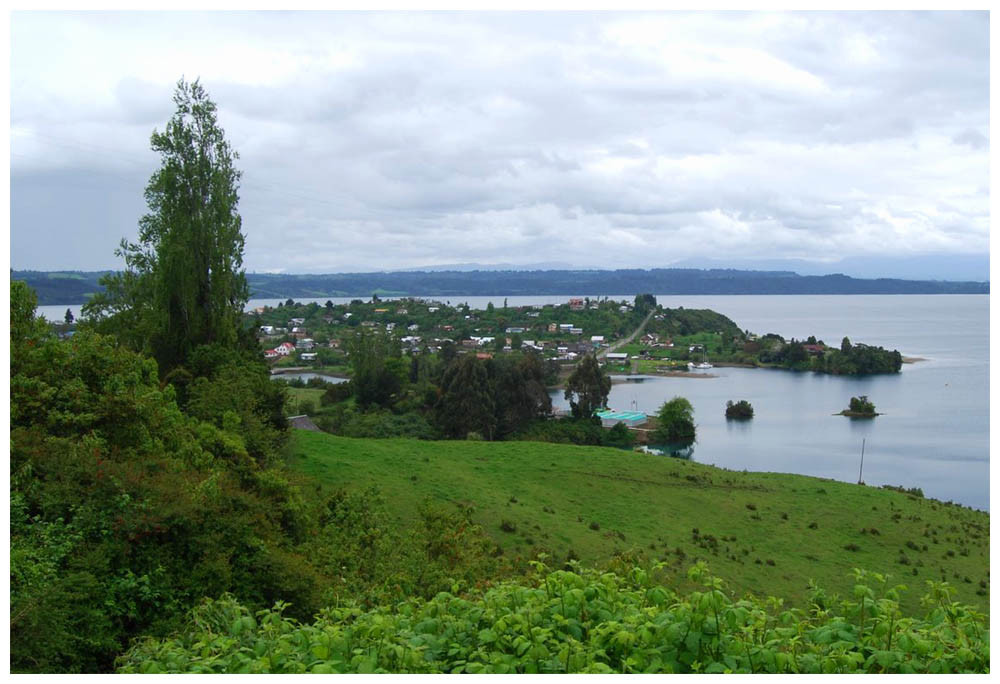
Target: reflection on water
[[739, 426]]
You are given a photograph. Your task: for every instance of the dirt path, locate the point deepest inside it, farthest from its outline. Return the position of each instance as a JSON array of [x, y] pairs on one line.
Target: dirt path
[[621, 343]]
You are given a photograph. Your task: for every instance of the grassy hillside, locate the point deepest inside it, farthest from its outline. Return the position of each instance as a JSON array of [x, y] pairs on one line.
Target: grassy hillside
[[764, 533]]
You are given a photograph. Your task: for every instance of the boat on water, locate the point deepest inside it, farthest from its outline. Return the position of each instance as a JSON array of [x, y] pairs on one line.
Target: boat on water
[[699, 366]]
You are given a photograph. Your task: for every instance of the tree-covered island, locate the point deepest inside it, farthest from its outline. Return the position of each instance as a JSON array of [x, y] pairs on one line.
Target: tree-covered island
[[860, 407]]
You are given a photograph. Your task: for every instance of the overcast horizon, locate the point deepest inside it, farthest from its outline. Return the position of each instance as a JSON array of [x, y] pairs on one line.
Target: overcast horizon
[[829, 141]]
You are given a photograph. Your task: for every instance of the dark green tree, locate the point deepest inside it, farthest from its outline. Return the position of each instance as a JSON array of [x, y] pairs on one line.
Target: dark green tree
[[68, 317], [520, 395], [675, 422], [183, 284], [375, 380], [466, 403], [795, 353], [448, 352], [587, 388], [27, 330], [644, 303]]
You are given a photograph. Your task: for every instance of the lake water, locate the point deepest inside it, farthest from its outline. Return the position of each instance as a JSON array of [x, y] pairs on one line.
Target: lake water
[[305, 376], [935, 431]]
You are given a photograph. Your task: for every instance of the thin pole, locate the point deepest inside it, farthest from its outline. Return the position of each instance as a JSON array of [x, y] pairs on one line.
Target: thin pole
[[862, 460]]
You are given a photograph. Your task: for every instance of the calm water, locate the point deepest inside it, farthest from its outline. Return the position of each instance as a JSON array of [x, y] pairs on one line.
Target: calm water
[[935, 431], [306, 376]]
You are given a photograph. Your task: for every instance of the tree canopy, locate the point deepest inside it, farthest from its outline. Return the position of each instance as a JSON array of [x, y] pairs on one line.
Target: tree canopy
[[183, 285], [588, 387], [675, 422]]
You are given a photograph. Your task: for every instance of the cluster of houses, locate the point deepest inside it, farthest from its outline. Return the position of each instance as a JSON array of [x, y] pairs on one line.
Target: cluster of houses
[[303, 348], [411, 343]]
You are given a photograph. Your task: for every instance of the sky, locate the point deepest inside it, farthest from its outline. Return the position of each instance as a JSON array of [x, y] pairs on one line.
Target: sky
[[385, 141]]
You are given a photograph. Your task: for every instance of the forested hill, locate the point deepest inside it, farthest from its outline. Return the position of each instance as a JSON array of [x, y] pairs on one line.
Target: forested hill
[[74, 287]]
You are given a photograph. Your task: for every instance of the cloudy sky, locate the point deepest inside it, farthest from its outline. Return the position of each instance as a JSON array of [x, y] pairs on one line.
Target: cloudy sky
[[389, 141]]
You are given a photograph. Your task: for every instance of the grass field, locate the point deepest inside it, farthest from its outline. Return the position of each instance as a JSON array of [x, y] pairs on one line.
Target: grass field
[[764, 533], [297, 395]]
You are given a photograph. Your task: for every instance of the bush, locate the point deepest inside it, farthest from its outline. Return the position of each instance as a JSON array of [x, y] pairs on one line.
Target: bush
[[621, 622], [618, 436]]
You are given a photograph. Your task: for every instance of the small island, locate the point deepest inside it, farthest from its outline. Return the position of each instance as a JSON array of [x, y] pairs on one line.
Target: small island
[[860, 407], [741, 410]]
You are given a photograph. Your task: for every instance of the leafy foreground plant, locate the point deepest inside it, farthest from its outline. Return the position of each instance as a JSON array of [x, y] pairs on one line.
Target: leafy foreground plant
[[585, 621]]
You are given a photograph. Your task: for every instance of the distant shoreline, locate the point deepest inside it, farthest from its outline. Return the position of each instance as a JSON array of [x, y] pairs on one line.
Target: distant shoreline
[[75, 287]]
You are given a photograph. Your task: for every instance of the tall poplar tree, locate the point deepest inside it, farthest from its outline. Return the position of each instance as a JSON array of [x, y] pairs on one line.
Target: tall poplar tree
[[184, 285]]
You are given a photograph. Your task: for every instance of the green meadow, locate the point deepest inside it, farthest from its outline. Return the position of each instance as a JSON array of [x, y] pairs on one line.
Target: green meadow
[[763, 533]]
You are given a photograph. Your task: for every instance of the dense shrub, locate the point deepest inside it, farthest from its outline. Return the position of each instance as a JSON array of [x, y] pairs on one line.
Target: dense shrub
[[565, 621], [350, 422]]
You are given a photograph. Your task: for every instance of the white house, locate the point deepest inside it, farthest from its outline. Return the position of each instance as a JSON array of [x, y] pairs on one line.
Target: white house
[[308, 356], [284, 349], [306, 344], [413, 327], [617, 356], [271, 354], [433, 309], [576, 331], [597, 339], [267, 329]]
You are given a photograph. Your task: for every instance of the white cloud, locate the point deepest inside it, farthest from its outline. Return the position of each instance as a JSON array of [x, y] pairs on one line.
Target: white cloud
[[373, 141]]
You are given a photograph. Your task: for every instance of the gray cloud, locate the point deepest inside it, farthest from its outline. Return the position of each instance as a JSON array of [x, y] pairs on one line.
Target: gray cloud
[[373, 141]]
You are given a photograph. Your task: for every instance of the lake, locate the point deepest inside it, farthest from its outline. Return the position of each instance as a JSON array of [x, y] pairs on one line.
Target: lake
[[306, 376], [935, 431]]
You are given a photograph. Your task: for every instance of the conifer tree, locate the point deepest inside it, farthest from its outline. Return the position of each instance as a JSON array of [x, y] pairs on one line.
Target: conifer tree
[[466, 403]]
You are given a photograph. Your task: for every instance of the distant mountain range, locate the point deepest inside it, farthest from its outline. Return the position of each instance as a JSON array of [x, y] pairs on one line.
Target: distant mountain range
[[954, 267], [75, 287]]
